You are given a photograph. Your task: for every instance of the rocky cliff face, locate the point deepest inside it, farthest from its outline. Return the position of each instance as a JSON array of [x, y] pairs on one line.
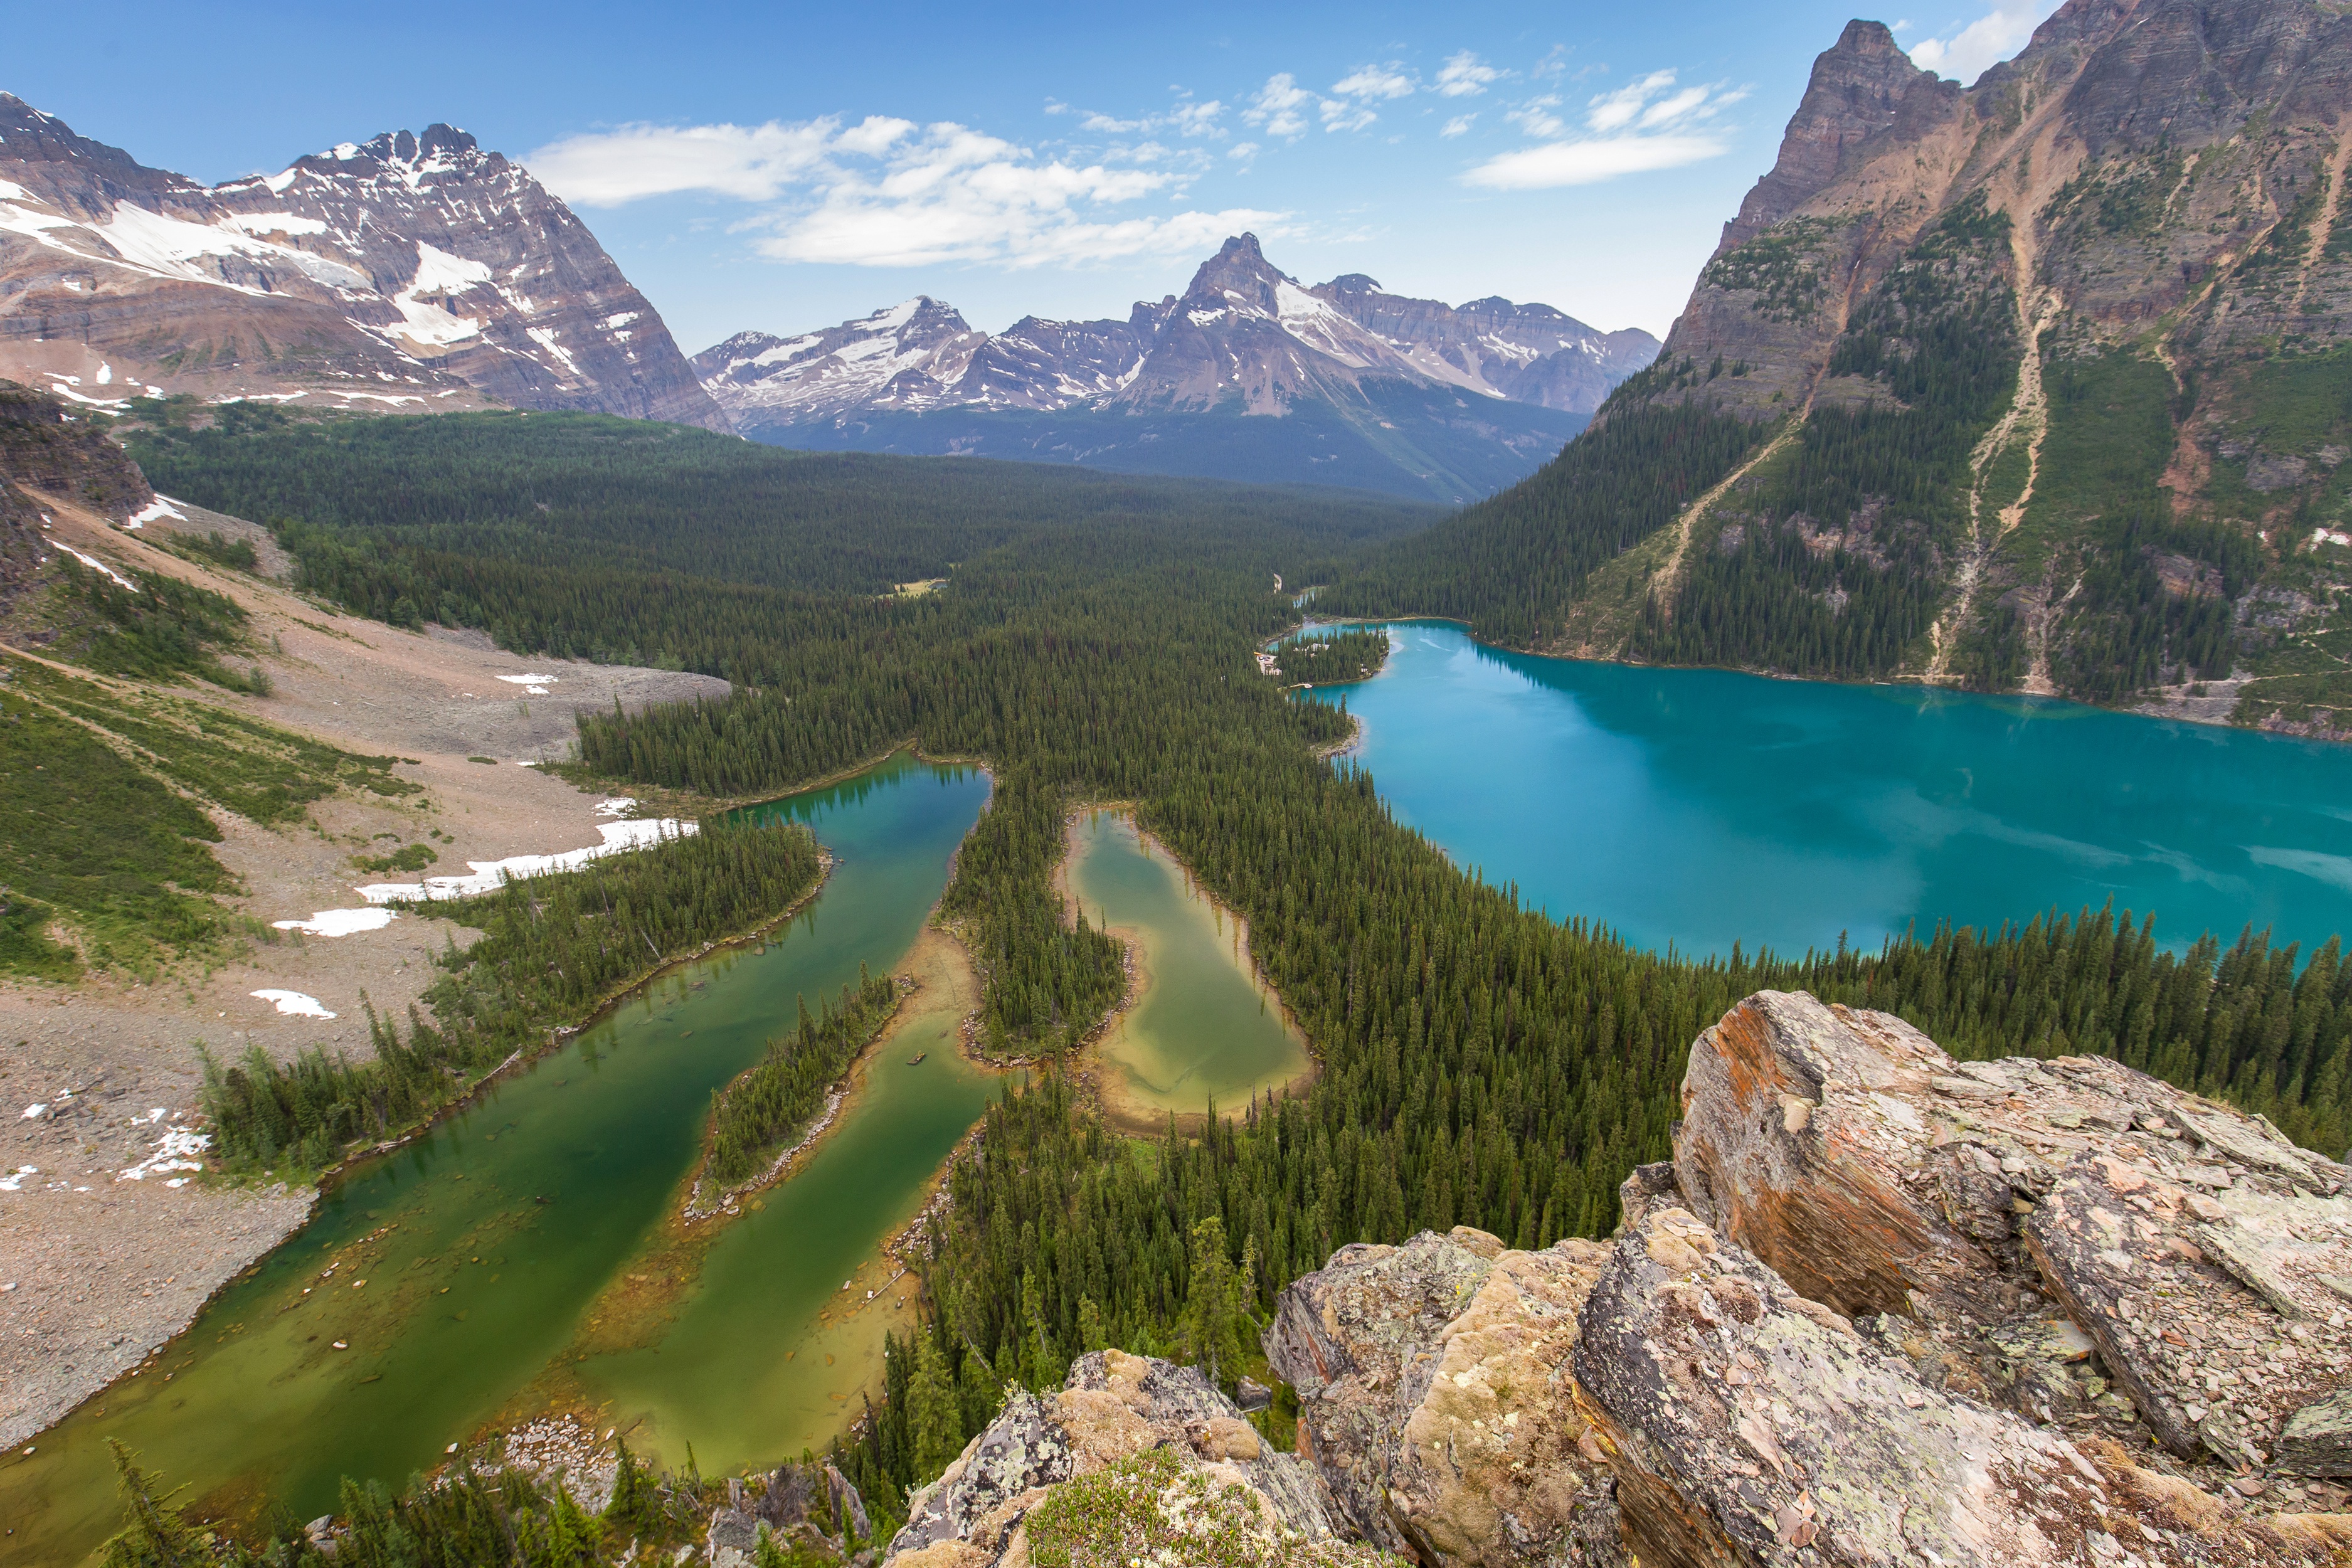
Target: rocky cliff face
[[1883, 1307], [44, 446], [2052, 376], [409, 273]]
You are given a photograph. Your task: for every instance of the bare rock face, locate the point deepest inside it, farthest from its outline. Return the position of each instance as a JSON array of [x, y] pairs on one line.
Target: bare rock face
[[1435, 1399], [1749, 1424], [1113, 1407], [2080, 1243]]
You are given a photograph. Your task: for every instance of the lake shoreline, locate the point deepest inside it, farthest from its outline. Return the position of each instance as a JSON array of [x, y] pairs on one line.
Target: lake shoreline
[[2180, 710], [1095, 1072]]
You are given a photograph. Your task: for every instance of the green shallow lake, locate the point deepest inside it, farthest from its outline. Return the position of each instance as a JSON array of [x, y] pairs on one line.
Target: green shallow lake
[[484, 1243], [1204, 1028], [1698, 808]]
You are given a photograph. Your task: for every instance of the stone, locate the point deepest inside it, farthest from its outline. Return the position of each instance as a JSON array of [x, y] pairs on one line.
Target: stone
[[2317, 1438], [1435, 1401], [1252, 1395], [2266, 471], [1113, 1407], [2219, 1328], [1746, 1426]]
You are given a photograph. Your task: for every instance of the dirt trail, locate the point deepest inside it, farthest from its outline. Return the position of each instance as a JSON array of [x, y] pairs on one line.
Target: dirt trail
[[1669, 575]]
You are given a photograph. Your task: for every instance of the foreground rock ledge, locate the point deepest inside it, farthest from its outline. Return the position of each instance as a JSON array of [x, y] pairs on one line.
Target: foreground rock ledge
[[1883, 1307]]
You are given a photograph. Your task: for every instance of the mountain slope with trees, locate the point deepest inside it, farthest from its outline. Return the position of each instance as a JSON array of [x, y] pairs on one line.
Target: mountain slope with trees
[[2046, 383]]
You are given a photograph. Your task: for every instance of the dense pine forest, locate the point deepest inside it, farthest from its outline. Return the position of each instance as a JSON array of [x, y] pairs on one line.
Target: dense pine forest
[[1479, 1063]]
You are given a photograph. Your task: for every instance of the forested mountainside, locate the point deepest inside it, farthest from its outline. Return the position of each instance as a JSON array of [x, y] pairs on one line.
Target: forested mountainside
[[2044, 385], [1248, 374], [416, 272]]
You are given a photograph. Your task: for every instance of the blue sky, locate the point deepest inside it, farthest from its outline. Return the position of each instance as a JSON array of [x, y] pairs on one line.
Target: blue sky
[[788, 166]]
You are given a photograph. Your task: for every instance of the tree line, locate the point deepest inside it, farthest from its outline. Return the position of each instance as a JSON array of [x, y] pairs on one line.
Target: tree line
[[553, 947]]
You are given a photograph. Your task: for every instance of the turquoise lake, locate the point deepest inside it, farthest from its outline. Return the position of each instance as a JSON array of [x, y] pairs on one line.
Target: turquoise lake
[[1694, 808]]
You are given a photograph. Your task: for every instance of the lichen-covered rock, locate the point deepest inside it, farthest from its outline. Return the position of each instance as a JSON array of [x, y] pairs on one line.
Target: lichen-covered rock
[[1435, 1398], [1113, 1407], [2208, 1305], [1803, 1138], [2318, 1439], [1749, 1424], [1950, 1205]]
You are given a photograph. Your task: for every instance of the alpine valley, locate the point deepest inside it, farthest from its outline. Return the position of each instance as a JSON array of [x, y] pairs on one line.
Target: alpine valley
[[1246, 375]]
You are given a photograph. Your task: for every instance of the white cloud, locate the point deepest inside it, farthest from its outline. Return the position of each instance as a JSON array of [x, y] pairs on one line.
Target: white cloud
[[752, 163], [887, 193], [1242, 152], [1989, 39], [1643, 126], [1276, 105], [1536, 117], [1385, 82], [1186, 118], [1457, 125], [1198, 119], [1344, 114], [1589, 163], [1465, 76]]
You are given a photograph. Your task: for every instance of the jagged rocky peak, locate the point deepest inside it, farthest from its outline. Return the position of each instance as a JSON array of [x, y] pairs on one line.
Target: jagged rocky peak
[[1863, 86], [408, 272], [908, 356]]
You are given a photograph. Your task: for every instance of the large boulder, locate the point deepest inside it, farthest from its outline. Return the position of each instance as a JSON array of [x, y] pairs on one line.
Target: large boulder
[[1436, 1400], [1114, 1408], [1750, 1424], [2069, 1238]]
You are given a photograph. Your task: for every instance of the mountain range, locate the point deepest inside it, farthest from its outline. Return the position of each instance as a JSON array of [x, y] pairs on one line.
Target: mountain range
[[1247, 374], [407, 273], [2043, 384]]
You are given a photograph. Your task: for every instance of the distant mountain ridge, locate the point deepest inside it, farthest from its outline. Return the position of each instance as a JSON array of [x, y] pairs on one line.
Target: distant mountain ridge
[[1403, 393], [409, 272]]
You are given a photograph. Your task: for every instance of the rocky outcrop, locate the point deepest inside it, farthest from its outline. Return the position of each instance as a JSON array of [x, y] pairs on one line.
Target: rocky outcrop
[[45, 448], [1992, 1217], [415, 272], [1436, 1398], [1749, 1424], [1114, 1408], [1882, 1307]]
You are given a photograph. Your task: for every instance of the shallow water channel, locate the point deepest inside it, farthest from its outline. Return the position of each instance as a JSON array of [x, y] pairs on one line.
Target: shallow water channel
[[1203, 1027], [484, 1269]]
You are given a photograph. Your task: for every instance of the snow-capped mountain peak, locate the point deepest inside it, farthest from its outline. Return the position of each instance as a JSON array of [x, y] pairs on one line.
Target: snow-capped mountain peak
[[406, 271]]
